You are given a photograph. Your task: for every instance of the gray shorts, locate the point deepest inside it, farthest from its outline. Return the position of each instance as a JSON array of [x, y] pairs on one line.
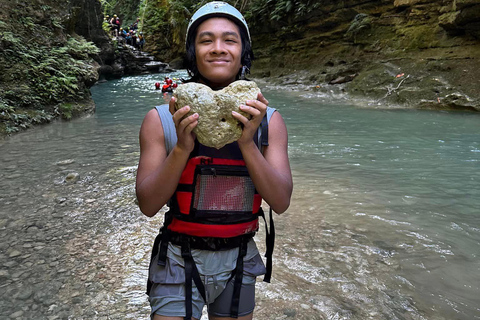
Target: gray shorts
[[167, 295]]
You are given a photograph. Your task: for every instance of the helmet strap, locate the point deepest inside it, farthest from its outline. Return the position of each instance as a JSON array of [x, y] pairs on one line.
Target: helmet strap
[[245, 71]]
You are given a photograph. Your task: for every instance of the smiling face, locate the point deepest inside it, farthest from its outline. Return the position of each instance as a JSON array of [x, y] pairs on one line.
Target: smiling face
[[218, 50]]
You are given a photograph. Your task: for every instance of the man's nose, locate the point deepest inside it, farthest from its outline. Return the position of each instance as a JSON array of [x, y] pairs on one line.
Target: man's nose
[[218, 47]]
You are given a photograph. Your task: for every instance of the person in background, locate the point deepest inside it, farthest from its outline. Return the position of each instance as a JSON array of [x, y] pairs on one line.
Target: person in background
[[135, 24], [128, 38], [123, 32], [115, 25], [203, 242], [134, 38], [140, 41]]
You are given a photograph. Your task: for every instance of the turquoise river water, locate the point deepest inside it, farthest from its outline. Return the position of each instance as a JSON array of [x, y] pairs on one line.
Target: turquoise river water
[[384, 221]]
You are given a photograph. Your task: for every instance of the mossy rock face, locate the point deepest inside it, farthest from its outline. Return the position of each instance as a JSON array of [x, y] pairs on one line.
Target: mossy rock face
[[216, 125]]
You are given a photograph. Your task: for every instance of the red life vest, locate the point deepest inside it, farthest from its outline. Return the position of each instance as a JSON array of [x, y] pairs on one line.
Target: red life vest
[[215, 198]]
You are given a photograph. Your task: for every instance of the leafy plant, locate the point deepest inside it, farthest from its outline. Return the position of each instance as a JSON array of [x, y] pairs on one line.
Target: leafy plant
[[65, 110]]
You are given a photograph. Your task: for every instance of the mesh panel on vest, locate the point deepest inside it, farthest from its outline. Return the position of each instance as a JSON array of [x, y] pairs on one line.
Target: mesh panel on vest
[[225, 193]]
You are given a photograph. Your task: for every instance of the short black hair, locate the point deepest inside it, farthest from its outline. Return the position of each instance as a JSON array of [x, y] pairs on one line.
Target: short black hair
[[191, 62]]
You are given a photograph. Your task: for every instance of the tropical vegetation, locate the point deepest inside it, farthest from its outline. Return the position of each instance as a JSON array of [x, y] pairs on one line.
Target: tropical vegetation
[[42, 69]]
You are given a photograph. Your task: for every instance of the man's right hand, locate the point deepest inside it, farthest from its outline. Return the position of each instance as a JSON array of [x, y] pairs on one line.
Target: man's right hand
[[184, 126]]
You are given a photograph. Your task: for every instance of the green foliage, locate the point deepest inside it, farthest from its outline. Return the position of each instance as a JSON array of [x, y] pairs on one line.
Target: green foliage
[[27, 22], [106, 27], [9, 39], [79, 48], [56, 22], [56, 72], [65, 110], [282, 11], [37, 73], [5, 111]]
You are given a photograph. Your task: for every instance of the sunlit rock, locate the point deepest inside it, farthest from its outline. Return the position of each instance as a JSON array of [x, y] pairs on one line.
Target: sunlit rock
[[72, 177]]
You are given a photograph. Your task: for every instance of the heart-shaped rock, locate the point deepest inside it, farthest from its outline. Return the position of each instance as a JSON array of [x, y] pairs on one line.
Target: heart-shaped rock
[[216, 125]]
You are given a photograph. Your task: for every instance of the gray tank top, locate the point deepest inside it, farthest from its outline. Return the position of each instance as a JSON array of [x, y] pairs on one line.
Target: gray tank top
[[169, 126]]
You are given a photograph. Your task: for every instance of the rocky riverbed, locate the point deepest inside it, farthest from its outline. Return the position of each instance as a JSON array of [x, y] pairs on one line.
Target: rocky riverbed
[[62, 258], [81, 248]]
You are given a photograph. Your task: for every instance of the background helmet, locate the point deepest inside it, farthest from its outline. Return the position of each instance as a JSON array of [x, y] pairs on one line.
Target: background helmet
[[216, 9]]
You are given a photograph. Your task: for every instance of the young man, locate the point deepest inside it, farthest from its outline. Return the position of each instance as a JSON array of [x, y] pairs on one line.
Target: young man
[[210, 247]]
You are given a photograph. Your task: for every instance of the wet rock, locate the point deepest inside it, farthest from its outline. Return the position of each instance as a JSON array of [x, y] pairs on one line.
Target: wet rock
[[65, 162], [177, 63], [16, 315], [216, 125], [405, 3], [14, 253], [25, 294], [454, 101], [9, 264], [343, 79], [4, 274], [60, 200], [72, 177], [156, 65], [290, 312]]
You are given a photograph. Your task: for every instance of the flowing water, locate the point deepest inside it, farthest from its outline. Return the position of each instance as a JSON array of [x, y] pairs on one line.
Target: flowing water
[[384, 221]]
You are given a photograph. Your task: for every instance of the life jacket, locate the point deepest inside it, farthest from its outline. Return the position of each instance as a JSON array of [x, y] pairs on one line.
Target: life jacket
[[215, 207], [215, 198]]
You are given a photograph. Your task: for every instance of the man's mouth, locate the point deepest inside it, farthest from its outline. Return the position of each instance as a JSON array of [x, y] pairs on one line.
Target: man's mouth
[[219, 61]]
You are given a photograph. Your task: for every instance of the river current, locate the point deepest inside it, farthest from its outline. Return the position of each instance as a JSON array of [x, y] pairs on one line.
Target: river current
[[384, 221]]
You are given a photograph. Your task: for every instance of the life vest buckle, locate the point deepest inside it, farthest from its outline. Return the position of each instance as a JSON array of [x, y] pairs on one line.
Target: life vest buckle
[[206, 161]]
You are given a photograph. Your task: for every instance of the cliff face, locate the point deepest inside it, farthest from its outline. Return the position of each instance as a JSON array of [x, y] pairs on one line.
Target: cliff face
[[86, 19], [421, 53], [47, 63]]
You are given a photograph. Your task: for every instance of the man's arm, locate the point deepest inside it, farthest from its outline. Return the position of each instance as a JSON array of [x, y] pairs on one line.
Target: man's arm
[[158, 174]]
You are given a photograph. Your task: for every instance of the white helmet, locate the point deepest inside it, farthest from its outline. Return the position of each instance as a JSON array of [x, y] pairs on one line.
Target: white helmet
[[216, 9]]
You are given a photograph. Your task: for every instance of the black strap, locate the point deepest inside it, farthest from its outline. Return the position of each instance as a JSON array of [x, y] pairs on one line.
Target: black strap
[[264, 128], [237, 286], [270, 243], [162, 254], [191, 273], [160, 247], [154, 252]]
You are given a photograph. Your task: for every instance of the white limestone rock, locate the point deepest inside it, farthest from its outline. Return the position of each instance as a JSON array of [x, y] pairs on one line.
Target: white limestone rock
[[216, 125]]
